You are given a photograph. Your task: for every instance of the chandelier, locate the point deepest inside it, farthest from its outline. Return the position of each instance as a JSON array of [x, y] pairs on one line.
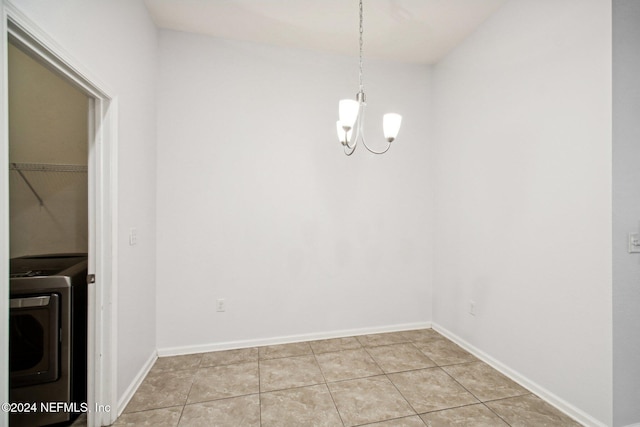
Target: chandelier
[[350, 127]]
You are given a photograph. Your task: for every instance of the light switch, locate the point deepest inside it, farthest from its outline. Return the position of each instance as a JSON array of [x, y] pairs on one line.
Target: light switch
[[634, 243], [133, 237]]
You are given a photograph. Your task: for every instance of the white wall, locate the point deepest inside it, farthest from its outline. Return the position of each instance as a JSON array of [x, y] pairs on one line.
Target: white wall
[[116, 41], [626, 211], [523, 196], [257, 203]]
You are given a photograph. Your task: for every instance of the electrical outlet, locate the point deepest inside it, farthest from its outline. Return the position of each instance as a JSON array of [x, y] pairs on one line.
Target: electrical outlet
[[221, 305], [472, 308]]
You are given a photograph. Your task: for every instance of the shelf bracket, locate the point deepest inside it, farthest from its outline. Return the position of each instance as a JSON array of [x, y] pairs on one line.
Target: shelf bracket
[[33, 190]]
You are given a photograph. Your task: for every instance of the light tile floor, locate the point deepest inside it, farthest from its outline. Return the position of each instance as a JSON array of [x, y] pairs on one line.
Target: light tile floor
[[411, 379]]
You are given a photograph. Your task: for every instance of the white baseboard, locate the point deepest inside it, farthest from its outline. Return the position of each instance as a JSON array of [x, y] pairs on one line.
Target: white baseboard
[[231, 345], [549, 397], [634, 425], [133, 387]]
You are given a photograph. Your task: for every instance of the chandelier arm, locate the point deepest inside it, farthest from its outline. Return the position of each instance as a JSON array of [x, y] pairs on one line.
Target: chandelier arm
[[354, 138], [360, 124], [355, 133], [374, 151], [360, 130], [350, 152]]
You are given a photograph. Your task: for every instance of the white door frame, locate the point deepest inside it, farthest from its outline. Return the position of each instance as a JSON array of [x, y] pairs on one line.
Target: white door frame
[[102, 176]]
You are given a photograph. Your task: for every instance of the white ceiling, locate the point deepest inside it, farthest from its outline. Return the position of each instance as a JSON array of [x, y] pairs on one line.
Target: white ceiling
[[420, 31]]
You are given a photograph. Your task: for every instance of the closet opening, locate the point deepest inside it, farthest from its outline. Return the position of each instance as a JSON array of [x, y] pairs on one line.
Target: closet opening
[[48, 245]]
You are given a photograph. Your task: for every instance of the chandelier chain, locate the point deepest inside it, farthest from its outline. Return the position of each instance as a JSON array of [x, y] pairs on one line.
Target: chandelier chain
[[361, 43]]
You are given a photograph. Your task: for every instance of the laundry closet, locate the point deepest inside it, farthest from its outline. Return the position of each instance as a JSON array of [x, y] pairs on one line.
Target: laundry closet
[[48, 203]]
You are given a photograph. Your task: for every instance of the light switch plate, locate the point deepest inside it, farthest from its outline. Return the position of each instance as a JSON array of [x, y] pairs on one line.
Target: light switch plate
[[133, 237], [634, 243]]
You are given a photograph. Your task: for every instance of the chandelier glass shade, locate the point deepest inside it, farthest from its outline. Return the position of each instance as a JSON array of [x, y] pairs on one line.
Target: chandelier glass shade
[[350, 124]]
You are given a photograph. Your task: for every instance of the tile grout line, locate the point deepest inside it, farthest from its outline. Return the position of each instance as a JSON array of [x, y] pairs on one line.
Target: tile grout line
[[181, 413], [389, 379], [326, 384], [497, 415], [469, 391], [259, 391], [412, 342], [456, 407], [505, 398], [186, 399], [527, 391], [390, 419]]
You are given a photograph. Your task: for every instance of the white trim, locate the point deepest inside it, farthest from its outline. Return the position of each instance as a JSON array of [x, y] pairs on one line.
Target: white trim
[[104, 351], [102, 328], [93, 363], [110, 269], [135, 384], [32, 37], [4, 217], [633, 425], [561, 404], [232, 345]]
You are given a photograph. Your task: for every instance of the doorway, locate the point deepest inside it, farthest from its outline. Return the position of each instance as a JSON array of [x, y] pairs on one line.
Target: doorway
[[101, 211], [48, 227]]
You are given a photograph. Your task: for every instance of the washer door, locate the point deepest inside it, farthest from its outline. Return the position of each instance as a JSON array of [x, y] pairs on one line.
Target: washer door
[[34, 341]]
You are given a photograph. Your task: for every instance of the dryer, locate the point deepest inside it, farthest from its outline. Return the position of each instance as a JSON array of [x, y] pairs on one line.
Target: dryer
[[48, 337]]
